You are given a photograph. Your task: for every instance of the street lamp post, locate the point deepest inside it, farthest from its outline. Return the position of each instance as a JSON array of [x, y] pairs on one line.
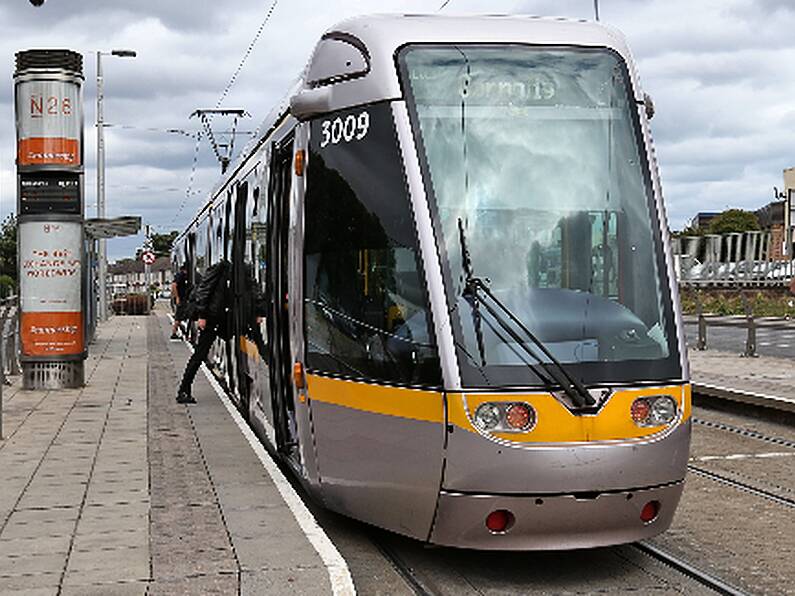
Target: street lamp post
[[102, 252]]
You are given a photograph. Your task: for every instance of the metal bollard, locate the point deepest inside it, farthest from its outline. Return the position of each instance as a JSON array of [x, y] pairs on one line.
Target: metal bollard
[[701, 344], [750, 342]]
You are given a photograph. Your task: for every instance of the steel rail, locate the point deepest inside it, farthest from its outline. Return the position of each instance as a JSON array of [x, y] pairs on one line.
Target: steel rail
[[403, 569], [702, 577], [745, 432], [749, 488]]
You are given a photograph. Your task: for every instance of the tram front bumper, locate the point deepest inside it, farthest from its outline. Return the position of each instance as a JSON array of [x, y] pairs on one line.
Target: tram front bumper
[[541, 522]]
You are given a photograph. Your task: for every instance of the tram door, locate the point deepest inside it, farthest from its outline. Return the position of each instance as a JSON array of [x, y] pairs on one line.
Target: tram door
[[243, 310], [190, 245], [278, 323], [229, 348]]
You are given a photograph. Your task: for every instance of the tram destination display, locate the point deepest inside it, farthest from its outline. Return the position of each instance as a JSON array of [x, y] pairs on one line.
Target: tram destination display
[[49, 192]]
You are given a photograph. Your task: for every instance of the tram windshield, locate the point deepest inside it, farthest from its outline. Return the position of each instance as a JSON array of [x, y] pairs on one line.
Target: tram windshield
[[533, 158]]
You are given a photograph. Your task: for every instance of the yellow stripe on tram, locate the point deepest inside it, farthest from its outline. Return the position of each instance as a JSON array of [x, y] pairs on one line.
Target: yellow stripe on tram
[[416, 404], [248, 347], [555, 423]]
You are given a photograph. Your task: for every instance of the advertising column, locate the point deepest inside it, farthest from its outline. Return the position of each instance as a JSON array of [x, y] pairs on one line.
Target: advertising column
[[49, 114]]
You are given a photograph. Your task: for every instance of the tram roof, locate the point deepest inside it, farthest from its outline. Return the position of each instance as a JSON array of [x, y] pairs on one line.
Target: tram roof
[[381, 35]]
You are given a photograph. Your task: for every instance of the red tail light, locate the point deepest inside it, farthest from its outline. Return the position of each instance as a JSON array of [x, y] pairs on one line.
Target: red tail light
[[640, 410], [518, 416], [499, 521], [649, 511]]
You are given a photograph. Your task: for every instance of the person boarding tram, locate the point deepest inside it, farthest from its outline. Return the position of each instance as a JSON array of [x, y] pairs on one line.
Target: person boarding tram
[[209, 305]]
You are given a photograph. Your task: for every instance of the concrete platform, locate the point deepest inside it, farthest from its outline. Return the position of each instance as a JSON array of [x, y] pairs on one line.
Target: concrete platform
[[763, 381], [116, 489]]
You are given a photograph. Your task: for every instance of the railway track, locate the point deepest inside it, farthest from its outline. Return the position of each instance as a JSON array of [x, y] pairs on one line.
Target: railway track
[[404, 569], [745, 432], [750, 488], [738, 484], [703, 578], [699, 575]]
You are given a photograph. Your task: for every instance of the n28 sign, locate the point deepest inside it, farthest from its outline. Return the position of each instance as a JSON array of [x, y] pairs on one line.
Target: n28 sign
[[350, 128]]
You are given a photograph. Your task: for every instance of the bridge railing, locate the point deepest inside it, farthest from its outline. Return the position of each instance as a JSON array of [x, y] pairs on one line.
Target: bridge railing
[[748, 259]]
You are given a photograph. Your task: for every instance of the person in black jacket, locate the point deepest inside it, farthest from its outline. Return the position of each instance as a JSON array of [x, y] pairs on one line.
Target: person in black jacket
[[209, 303]]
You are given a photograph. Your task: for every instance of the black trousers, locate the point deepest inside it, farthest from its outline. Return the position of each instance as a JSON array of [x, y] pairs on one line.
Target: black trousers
[[207, 337]]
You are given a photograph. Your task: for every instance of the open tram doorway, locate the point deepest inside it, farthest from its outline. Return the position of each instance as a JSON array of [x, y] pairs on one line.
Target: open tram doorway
[[242, 312], [190, 266], [278, 323], [229, 351]]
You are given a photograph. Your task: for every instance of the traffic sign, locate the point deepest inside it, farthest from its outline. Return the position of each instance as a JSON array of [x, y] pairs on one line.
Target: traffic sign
[[148, 257]]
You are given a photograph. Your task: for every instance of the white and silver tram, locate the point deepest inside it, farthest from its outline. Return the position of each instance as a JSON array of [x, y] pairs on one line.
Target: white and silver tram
[[473, 335]]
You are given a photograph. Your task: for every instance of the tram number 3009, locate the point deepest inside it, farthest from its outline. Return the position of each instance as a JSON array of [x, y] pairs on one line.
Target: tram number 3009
[[350, 128]]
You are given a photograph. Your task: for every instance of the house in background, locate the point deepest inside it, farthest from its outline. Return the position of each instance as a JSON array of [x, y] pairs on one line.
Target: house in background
[[128, 275], [702, 219]]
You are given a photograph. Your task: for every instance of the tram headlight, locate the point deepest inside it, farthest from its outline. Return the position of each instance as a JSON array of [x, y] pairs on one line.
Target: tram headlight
[[663, 411], [656, 410], [488, 416], [507, 417]]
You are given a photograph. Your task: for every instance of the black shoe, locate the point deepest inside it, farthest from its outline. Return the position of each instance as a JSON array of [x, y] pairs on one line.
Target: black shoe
[[174, 336], [183, 397]]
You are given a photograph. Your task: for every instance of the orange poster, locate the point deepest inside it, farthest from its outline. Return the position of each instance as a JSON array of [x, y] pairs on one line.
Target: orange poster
[[38, 151], [51, 333]]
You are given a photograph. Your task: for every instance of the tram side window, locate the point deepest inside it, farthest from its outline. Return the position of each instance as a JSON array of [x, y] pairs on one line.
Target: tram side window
[[218, 234], [201, 247], [366, 309]]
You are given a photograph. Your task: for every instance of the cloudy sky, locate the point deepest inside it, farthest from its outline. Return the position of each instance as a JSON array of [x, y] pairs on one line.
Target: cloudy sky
[[721, 72]]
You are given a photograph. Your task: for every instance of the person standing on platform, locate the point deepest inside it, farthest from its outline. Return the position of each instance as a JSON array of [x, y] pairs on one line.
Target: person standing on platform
[[209, 305], [180, 290]]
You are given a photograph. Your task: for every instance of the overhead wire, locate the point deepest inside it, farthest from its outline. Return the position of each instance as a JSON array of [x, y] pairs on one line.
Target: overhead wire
[[246, 54], [178, 131], [221, 99], [190, 179]]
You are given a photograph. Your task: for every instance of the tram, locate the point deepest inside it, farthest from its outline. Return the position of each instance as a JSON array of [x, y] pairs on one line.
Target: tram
[[473, 335]]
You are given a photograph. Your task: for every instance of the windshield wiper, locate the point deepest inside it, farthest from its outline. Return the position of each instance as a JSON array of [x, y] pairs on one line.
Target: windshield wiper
[[475, 292]]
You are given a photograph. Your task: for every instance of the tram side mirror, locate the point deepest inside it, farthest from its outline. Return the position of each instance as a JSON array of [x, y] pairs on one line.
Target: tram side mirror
[[310, 102], [648, 104]]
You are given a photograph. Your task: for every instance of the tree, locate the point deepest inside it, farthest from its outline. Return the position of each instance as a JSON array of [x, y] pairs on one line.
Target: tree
[[161, 243], [8, 247], [733, 220]]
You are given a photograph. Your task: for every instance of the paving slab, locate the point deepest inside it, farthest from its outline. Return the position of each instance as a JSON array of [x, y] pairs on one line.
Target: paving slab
[[241, 486], [115, 489]]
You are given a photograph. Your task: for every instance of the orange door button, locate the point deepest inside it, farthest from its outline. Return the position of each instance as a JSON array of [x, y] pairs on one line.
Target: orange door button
[[298, 375]]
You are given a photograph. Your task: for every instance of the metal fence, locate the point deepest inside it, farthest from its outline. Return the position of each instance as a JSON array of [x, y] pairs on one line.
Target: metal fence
[[748, 321], [9, 345], [749, 259]]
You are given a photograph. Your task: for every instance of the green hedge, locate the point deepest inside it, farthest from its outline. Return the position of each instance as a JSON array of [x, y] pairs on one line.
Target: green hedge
[[764, 302]]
